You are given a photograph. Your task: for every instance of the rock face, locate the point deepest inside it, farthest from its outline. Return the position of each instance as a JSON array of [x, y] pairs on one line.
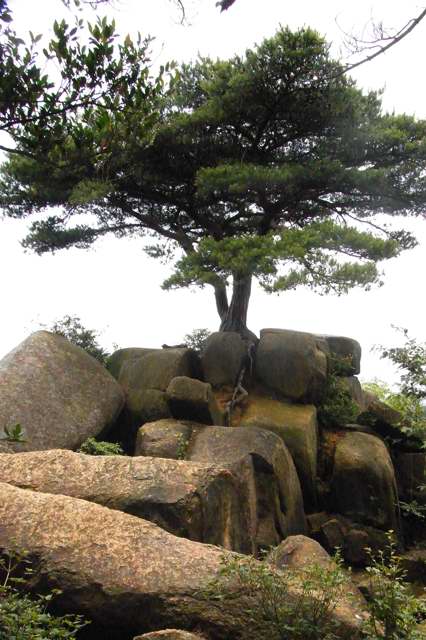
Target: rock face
[[363, 485], [346, 350], [198, 501], [275, 492], [126, 574], [292, 364], [222, 358], [119, 357], [57, 393], [145, 379], [298, 428], [191, 399]]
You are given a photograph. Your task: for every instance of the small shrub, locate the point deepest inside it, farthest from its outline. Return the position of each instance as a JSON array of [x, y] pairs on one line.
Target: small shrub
[[182, 446], [14, 434], [337, 406], [296, 604], [94, 447], [71, 328], [26, 618], [394, 610]]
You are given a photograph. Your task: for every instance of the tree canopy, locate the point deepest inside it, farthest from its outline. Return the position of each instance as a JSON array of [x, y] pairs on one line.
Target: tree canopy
[[272, 164]]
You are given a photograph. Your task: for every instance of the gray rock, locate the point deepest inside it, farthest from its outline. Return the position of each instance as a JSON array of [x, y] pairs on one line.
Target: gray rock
[[222, 358], [363, 484], [163, 439], [170, 634], [198, 501], [191, 399], [117, 359], [155, 370], [57, 393], [291, 364]]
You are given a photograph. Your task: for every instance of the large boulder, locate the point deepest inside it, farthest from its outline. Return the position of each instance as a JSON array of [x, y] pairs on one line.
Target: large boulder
[[344, 354], [222, 358], [297, 426], [194, 500], [292, 364], [191, 399], [117, 359], [145, 380], [125, 574], [363, 484], [274, 492], [57, 393], [155, 370]]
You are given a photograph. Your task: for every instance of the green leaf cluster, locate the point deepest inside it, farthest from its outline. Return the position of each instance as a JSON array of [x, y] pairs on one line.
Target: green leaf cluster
[[93, 447]]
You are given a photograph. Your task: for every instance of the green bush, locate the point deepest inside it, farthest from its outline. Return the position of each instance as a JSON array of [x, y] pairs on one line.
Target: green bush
[[94, 447], [71, 328], [296, 604], [337, 406], [26, 618], [394, 610], [197, 339]]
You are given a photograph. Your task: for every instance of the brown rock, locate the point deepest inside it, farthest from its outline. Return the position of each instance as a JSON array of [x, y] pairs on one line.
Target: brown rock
[[298, 428], [164, 439], [274, 493], [125, 574], [292, 364], [57, 393], [346, 351], [363, 485], [198, 501]]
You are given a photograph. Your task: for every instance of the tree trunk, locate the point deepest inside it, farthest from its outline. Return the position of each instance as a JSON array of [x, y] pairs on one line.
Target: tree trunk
[[235, 318]]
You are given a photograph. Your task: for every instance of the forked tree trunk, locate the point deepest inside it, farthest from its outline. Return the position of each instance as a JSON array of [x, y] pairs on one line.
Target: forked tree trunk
[[233, 316]]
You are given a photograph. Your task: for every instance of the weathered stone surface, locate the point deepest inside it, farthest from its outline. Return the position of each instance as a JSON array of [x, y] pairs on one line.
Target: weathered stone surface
[[191, 399], [163, 439], [222, 358], [193, 500], [346, 350], [292, 364], [170, 634], [126, 574], [57, 393], [363, 485], [117, 359], [297, 427], [278, 495], [155, 370], [274, 493]]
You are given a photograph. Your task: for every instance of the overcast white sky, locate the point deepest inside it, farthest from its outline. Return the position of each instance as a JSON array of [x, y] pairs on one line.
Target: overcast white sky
[[116, 288]]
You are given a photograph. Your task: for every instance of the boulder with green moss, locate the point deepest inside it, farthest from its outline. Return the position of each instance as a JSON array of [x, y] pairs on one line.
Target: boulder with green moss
[[297, 426], [292, 364]]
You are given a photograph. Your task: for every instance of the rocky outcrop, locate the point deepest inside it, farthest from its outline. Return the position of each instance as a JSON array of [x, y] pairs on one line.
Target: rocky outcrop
[[191, 399], [126, 574], [222, 358], [202, 502], [297, 426], [276, 491], [291, 364], [117, 359], [57, 393], [363, 485]]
